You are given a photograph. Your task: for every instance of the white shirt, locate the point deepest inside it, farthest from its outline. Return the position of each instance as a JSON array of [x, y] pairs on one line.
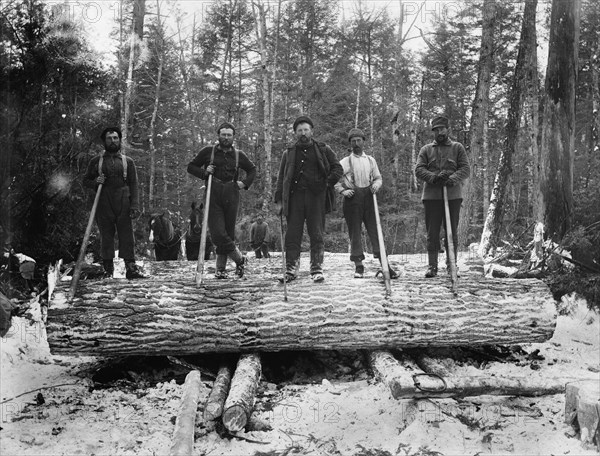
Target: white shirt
[[359, 171]]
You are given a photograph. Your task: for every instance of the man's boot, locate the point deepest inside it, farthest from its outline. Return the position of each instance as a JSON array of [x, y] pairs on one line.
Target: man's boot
[[433, 264], [240, 262], [132, 271], [109, 269], [221, 264]]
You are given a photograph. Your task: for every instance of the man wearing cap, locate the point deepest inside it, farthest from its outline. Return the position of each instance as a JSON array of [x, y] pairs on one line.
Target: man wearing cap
[[223, 161], [304, 194], [118, 203], [361, 179], [441, 163]]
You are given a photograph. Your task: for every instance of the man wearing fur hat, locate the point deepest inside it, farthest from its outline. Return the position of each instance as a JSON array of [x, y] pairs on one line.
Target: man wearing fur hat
[[118, 203], [304, 194], [360, 181], [223, 161], [442, 163]]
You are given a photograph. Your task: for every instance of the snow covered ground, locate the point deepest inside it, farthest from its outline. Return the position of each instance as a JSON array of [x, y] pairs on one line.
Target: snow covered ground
[[50, 408]]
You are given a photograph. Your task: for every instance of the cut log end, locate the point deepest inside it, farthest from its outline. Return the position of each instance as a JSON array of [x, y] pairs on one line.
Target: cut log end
[[235, 418]]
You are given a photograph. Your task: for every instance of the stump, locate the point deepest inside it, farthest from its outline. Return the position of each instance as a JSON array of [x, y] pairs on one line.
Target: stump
[[582, 410], [167, 314]]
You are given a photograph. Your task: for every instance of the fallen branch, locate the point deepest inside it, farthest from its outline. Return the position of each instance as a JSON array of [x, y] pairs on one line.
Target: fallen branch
[[183, 436]]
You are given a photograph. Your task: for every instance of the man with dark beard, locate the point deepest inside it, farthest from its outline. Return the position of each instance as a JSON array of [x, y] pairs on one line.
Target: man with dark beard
[[118, 203], [441, 163], [307, 174], [223, 161]]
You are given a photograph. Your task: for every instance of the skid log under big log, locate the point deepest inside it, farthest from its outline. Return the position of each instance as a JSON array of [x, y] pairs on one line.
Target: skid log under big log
[[167, 315]]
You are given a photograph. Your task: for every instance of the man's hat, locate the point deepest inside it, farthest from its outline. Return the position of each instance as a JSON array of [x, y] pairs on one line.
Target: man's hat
[[439, 121], [225, 125], [356, 132], [303, 119], [110, 130]]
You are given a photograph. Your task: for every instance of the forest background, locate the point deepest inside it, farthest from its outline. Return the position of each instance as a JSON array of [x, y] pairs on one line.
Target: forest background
[[518, 80]]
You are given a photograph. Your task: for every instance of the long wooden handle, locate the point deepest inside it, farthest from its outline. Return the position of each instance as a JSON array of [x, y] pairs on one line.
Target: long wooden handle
[[283, 257], [86, 238], [200, 264], [384, 262], [451, 256]]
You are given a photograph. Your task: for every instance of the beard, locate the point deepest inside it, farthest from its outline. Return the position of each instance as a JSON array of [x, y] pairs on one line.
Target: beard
[[357, 150], [112, 148], [303, 139], [225, 143], [441, 138]]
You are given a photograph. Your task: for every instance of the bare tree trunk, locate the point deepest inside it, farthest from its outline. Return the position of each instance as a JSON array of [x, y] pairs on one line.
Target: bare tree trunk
[[186, 80], [152, 132], [479, 117], [558, 128], [137, 35], [226, 58], [493, 224], [268, 75]]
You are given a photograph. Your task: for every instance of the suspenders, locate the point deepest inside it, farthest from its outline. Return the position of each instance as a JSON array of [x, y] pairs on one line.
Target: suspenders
[[237, 161], [123, 157], [352, 169]]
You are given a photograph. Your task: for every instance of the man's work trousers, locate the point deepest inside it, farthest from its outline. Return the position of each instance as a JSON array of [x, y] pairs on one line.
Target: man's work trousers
[[358, 210], [224, 201], [434, 217], [305, 206], [112, 215], [262, 250]]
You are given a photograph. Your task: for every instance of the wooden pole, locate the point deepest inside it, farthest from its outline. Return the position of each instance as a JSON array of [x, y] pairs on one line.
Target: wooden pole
[[451, 255], [384, 262], [200, 264], [183, 436], [283, 257], [86, 238]]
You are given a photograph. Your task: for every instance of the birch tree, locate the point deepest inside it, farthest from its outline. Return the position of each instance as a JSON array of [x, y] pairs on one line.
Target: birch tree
[[479, 113], [493, 222]]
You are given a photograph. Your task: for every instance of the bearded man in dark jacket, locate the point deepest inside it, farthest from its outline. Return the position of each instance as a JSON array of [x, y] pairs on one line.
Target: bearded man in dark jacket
[[118, 203], [442, 163], [307, 174], [223, 161]]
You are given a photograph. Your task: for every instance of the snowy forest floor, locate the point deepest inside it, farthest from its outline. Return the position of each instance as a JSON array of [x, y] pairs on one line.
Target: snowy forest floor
[[309, 403]]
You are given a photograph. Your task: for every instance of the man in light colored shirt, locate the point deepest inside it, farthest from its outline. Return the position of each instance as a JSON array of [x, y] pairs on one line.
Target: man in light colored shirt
[[361, 179]]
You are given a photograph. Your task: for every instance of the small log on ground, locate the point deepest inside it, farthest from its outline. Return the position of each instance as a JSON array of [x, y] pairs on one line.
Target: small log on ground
[[582, 410], [168, 315], [183, 436], [213, 408], [240, 401], [407, 380]]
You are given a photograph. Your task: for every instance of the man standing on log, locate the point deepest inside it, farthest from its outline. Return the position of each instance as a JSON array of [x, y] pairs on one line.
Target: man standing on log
[[223, 161], [360, 181], [259, 231], [118, 203], [307, 174], [441, 163]]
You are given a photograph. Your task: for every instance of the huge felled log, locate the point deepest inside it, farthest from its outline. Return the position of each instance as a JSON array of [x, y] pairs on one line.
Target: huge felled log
[[167, 314], [240, 401]]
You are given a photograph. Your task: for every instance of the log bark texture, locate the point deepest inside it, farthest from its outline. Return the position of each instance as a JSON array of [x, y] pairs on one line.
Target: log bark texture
[[213, 408], [183, 436], [167, 315], [240, 401]]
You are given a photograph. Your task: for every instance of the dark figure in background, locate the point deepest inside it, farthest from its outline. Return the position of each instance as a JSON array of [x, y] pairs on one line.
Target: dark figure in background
[[259, 232], [360, 181], [441, 163], [194, 233], [118, 203], [307, 174], [166, 238], [26, 268], [223, 162]]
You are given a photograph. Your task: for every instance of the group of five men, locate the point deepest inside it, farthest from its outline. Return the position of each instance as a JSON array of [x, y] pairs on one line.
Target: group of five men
[[309, 175]]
